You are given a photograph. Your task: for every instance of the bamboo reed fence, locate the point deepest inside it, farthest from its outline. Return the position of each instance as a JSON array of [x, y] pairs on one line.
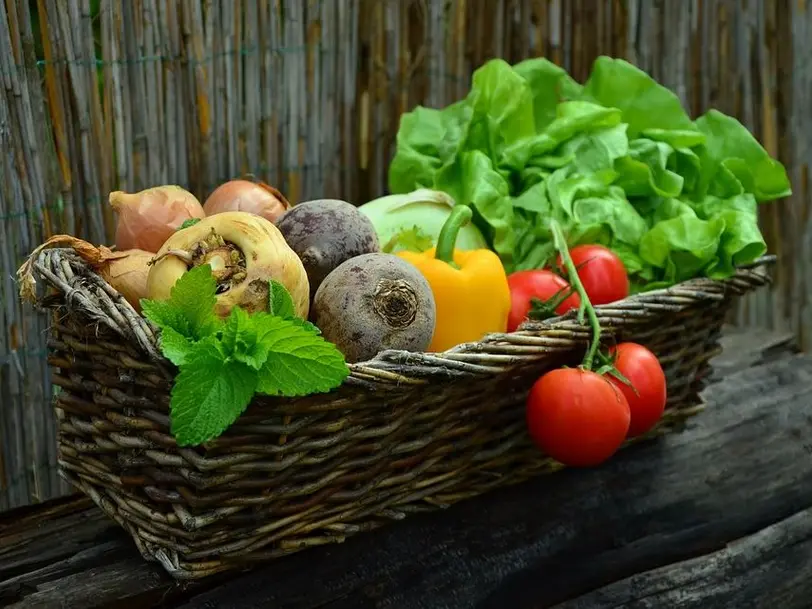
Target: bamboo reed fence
[[123, 94]]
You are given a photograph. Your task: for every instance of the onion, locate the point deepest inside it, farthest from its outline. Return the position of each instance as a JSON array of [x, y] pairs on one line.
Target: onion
[[255, 198], [146, 219], [126, 271], [128, 275]]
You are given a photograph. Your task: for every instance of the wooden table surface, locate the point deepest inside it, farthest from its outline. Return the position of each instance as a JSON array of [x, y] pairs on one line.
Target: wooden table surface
[[719, 515]]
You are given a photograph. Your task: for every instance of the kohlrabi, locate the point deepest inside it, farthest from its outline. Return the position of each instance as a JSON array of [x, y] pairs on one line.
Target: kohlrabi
[[412, 221]]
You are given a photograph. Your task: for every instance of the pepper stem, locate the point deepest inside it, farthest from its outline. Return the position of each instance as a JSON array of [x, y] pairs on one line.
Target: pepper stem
[[560, 243], [460, 216]]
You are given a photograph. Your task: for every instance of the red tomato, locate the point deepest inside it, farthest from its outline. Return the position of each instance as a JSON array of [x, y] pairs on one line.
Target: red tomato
[[601, 272], [541, 284], [642, 368], [577, 416]]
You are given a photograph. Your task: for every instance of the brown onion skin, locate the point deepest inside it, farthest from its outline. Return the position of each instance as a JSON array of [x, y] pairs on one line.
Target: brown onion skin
[[146, 219], [255, 198], [127, 274]]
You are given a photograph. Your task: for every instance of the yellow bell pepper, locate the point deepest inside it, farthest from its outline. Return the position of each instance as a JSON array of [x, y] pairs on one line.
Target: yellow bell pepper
[[470, 288]]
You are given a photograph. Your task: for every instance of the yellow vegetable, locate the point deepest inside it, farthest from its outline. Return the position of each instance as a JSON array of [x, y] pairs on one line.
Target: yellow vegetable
[[470, 287], [244, 252]]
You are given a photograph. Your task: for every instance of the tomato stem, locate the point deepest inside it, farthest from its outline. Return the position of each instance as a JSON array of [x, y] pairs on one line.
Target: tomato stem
[[560, 243]]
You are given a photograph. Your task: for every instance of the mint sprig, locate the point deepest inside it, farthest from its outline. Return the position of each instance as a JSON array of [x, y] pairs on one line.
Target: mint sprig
[[281, 305], [223, 364], [188, 316]]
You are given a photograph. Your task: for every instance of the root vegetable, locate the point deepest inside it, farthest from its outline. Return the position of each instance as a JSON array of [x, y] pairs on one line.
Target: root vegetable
[[412, 221], [244, 195], [148, 218], [374, 302], [126, 271], [244, 252], [325, 233], [128, 275]]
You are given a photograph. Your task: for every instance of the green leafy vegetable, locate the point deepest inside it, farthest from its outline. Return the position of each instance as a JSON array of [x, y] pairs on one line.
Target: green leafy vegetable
[[209, 393], [299, 362], [281, 302], [409, 239], [616, 161], [188, 223], [222, 364], [188, 316], [281, 305]]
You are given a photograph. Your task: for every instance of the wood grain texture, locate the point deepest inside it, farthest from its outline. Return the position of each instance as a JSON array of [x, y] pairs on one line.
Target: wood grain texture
[[669, 520], [125, 94], [769, 568]]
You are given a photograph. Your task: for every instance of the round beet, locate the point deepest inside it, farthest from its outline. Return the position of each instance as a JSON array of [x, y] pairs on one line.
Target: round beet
[[324, 233], [375, 302]]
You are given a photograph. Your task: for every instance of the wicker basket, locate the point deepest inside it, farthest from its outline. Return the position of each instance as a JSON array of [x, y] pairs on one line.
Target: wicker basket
[[406, 432]]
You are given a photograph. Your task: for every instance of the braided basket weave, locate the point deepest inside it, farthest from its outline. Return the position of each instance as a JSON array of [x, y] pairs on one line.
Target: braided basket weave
[[406, 432]]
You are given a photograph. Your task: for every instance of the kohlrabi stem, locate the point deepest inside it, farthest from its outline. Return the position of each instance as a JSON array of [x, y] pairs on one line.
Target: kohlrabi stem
[[560, 243], [460, 216]]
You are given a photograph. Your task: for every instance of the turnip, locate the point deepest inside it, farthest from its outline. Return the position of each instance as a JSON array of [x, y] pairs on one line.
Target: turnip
[[244, 252], [324, 233], [375, 302]]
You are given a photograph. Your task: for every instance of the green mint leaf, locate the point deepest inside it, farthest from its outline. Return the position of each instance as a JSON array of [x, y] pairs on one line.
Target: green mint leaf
[[188, 316], [190, 308], [306, 325], [299, 361], [281, 305], [188, 223], [175, 346], [195, 295], [164, 315], [176, 331], [241, 339], [280, 300], [210, 393]]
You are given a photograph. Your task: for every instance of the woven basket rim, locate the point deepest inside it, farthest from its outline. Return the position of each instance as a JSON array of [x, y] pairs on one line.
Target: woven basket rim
[[486, 356]]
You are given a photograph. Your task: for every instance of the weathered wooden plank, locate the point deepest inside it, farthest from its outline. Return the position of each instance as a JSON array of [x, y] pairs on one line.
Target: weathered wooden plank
[[66, 551], [773, 566], [741, 466], [738, 351]]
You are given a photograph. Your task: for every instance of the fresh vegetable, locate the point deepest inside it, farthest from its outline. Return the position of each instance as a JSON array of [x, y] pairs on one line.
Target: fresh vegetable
[[245, 252], [224, 363], [646, 392], [324, 233], [601, 272], [126, 271], [128, 275], [245, 195], [616, 162], [577, 417], [536, 289], [413, 221], [146, 219], [374, 302], [470, 287]]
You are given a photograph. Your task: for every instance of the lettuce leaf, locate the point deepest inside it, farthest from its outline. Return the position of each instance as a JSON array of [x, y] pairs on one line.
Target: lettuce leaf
[[617, 161]]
